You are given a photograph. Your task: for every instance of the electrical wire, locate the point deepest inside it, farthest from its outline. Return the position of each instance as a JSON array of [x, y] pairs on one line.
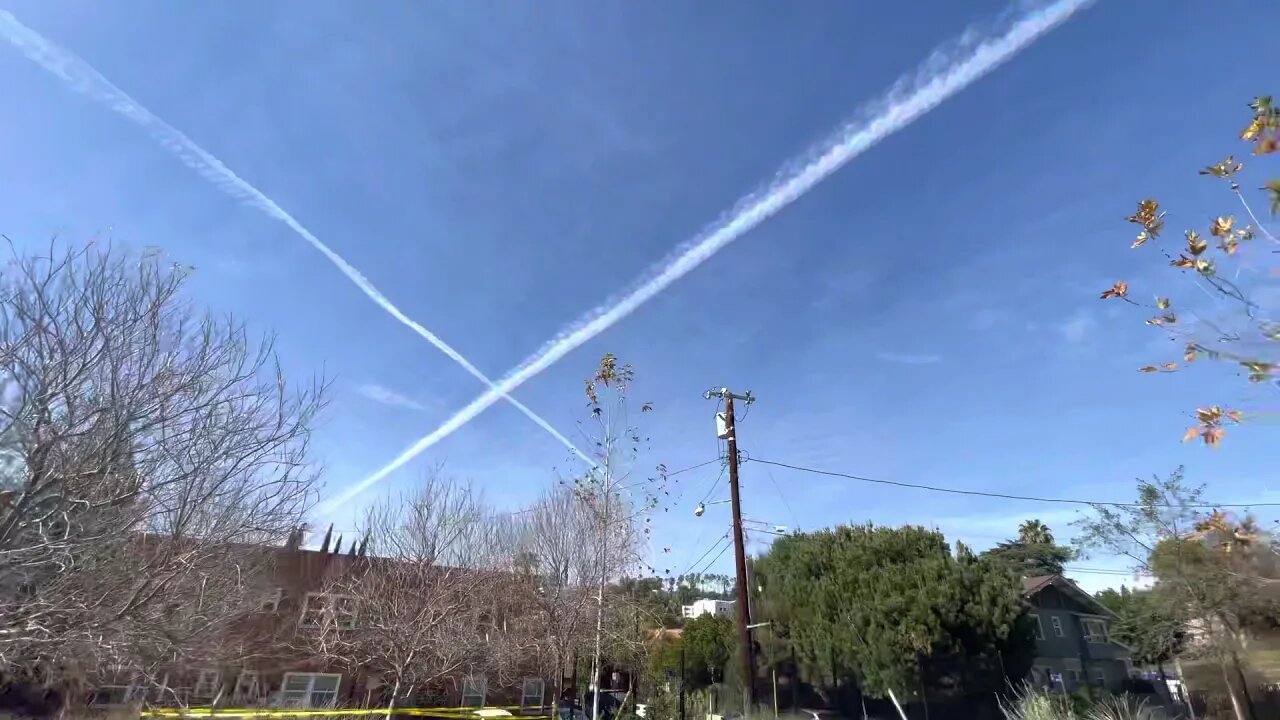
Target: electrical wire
[[714, 545], [794, 518], [707, 567], [693, 467], [715, 484], [1005, 496]]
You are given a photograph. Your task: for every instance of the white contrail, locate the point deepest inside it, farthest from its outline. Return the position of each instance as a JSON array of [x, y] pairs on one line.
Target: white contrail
[[84, 79], [947, 71]]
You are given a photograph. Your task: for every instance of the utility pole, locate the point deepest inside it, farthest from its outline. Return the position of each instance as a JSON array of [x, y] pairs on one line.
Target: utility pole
[[729, 433]]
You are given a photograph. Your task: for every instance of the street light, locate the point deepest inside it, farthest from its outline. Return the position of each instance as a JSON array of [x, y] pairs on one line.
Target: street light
[[702, 507]]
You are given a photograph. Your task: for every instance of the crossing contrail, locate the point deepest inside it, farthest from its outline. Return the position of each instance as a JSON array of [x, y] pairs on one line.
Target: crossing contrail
[[946, 72], [83, 78]]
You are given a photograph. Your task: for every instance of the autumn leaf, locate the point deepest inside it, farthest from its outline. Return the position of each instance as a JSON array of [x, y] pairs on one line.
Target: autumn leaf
[[1190, 352], [1141, 240], [1229, 245], [1196, 245], [1221, 227], [1119, 290], [1224, 169], [647, 407], [1149, 369], [1213, 436], [1165, 319], [1183, 262], [1259, 371], [1149, 217], [1169, 366], [1209, 415], [1205, 267], [1191, 433], [1162, 303], [1253, 130]]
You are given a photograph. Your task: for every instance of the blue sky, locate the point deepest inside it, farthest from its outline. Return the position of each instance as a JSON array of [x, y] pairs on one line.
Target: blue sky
[[928, 314]]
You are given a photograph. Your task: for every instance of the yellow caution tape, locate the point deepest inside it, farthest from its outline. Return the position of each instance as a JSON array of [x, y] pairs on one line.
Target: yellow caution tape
[[442, 712]]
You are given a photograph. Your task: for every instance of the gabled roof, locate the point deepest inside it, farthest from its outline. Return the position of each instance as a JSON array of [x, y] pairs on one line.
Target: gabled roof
[[1031, 586]]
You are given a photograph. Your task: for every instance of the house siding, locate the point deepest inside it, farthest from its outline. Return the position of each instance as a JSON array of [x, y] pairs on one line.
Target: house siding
[[1072, 655]]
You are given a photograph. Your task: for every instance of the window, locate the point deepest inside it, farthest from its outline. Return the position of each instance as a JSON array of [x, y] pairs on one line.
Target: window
[[532, 694], [246, 685], [1075, 677], [1095, 631], [473, 691], [1057, 626], [1039, 627], [208, 683], [115, 695], [309, 689], [1098, 676], [318, 607]]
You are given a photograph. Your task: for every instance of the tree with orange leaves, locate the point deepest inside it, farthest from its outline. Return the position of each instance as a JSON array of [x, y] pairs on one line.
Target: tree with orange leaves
[[1251, 340]]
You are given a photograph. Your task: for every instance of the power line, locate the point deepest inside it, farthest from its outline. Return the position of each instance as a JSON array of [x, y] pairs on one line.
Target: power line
[[714, 545], [693, 467], [1005, 496], [794, 518], [720, 554]]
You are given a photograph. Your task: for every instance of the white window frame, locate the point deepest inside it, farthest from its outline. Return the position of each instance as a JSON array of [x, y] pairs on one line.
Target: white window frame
[[1098, 676], [132, 691], [1089, 625], [248, 685], [311, 689], [540, 695], [472, 682], [327, 605], [1039, 627], [1057, 626], [208, 683]]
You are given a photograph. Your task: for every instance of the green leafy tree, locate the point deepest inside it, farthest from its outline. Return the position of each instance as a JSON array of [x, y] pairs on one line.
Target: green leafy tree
[[1034, 552], [1147, 622], [893, 610], [1205, 565], [1240, 322], [709, 648]]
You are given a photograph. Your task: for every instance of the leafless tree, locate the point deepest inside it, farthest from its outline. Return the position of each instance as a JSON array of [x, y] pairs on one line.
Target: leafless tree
[[425, 606], [149, 452]]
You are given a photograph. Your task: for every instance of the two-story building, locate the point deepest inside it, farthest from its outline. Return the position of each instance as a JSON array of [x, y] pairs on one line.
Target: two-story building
[[267, 662], [1073, 645], [707, 606]]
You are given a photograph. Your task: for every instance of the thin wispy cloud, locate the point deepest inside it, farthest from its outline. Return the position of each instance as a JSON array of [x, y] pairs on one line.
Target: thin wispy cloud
[[910, 358], [1078, 328], [946, 72], [84, 79], [387, 396]]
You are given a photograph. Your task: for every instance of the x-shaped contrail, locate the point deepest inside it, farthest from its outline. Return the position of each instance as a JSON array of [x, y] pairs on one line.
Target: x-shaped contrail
[[946, 72]]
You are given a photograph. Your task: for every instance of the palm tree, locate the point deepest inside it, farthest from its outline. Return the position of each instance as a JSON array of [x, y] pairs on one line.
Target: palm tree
[[1034, 532]]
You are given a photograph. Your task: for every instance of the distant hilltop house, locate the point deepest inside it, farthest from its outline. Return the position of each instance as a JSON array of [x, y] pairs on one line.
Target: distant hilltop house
[[707, 606], [1073, 646]]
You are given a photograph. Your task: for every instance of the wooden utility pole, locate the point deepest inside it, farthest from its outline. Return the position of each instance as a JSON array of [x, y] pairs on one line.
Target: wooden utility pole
[[729, 433]]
